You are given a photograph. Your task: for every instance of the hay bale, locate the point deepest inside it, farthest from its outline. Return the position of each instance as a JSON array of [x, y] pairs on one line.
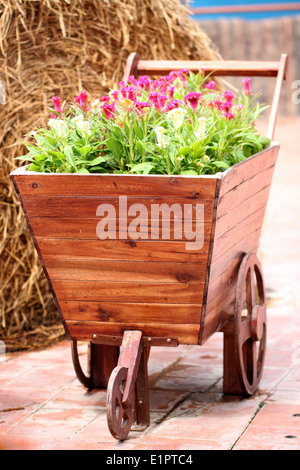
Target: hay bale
[[59, 47]]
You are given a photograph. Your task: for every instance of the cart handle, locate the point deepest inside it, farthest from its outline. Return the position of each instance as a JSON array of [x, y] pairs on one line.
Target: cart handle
[[137, 67]]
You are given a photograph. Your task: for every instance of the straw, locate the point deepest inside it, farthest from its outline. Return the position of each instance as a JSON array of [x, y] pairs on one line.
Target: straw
[[59, 47]]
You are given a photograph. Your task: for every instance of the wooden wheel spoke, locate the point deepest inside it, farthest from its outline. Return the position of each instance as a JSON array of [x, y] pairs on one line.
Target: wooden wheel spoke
[[252, 300], [245, 330]]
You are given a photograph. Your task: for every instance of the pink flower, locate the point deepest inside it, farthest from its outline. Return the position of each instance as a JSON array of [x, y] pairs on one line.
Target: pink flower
[[108, 109], [104, 99], [225, 107], [174, 74], [115, 95], [184, 73], [247, 86], [81, 99], [229, 116], [216, 103], [193, 99], [173, 104], [171, 92], [162, 101], [132, 80], [154, 98], [229, 96], [141, 107], [131, 93], [237, 108], [144, 82], [211, 85], [57, 103]]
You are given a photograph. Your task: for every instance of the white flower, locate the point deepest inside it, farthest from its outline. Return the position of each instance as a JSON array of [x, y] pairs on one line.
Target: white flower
[[59, 126], [160, 131], [200, 134], [81, 123], [176, 117]]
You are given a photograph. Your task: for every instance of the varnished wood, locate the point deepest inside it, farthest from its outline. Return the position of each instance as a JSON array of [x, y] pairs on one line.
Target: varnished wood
[[128, 292], [127, 250], [102, 360], [131, 66], [122, 312], [97, 270], [282, 70], [86, 206], [85, 228], [217, 68], [84, 330], [255, 8], [237, 231], [113, 185]]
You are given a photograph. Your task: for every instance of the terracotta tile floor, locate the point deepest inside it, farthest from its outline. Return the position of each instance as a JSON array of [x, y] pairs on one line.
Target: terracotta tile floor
[[43, 406]]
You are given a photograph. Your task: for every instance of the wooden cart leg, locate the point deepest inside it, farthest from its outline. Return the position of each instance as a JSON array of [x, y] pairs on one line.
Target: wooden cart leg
[[101, 361], [245, 336], [121, 391], [142, 393]]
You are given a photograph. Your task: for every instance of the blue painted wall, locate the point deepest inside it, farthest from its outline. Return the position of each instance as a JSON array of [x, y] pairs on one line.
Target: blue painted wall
[[245, 16]]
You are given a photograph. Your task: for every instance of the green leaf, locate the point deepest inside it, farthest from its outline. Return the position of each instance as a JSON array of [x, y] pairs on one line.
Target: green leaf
[[84, 150], [221, 165], [189, 172], [114, 146], [198, 150], [34, 167], [83, 170], [143, 168], [96, 161], [70, 156], [184, 151], [56, 154]]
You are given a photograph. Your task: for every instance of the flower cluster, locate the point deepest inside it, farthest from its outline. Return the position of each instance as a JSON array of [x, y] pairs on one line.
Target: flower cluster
[[176, 124]]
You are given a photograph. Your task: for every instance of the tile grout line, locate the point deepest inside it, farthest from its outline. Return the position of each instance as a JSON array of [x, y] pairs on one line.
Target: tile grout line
[[41, 406]]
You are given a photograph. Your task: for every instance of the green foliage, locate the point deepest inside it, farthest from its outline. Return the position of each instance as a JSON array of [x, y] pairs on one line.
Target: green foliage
[[174, 125]]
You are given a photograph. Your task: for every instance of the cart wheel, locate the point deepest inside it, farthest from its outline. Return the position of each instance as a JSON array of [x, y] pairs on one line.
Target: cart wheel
[[250, 323], [120, 416]]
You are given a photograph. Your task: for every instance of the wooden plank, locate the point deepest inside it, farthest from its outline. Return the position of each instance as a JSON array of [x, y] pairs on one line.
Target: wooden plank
[[186, 334], [229, 9], [114, 185], [249, 243], [128, 291], [218, 68], [123, 312], [240, 214], [93, 270], [86, 207], [248, 168], [127, 250], [231, 237], [86, 229], [230, 201]]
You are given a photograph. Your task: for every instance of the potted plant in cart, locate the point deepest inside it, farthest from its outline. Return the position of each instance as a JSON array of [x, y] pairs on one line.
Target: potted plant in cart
[[146, 207]]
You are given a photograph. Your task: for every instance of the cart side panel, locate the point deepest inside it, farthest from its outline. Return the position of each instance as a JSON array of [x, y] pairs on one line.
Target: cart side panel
[[243, 197], [106, 286]]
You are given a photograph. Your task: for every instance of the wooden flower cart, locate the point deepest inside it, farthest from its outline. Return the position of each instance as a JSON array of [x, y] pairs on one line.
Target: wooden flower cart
[[123, 296]]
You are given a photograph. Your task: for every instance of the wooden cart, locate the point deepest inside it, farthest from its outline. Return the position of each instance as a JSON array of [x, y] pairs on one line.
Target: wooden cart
[[123, 296]]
